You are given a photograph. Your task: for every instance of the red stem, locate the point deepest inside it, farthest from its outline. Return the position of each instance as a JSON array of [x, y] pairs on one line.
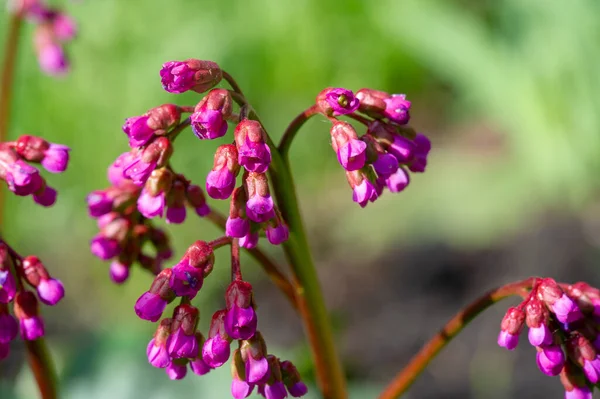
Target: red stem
[[236, 268], [220, 242], [417, 364]]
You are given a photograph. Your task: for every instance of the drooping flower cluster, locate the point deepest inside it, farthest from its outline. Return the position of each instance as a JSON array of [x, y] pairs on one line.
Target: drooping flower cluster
[[16, 273], [53, 29], [22, 178], [177, 342], [564, 325], [382, 157]]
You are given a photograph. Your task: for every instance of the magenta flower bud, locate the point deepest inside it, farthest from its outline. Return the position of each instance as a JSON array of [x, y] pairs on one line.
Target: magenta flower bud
[[209, 120], [64, 27], [118, 272], [151, 205], [397, 181], [275, 391], [99, 203], [176, 215], [216, 349], [56, 158], [385, 165], [186, 280], [8, 327], [278, 233], [508, 340], [237, 227], [397, 108], [105, 248], [550, 360], [158, 355], [249, 241], [422, 148], [27, 312], [240, 320], [22, 178], [351, 151], [291, 379], [138, 131], [579, 393], [253, 152], [199, 367], [183, 343], [138, 170], [8, 287], [256, 364], [196, 75], [363, 189], [240, 389], [259, 206], [45, 197], [402, 148], [176, 371], [566, 310], [221, 179], [50, 291], [337, 101], [150, 306], [116, 171], [591, 369], [196, 199], [52, 59], [511, 327], [540, 336]]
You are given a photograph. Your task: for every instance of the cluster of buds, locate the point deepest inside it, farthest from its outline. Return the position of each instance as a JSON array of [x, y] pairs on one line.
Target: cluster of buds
[[382, 157], [563, 322], [53, 30], [252, 209], [24, 179], [16, 273], [177, 342]]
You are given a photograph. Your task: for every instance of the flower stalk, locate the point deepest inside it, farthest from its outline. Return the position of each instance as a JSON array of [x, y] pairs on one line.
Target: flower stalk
[[405, 378]]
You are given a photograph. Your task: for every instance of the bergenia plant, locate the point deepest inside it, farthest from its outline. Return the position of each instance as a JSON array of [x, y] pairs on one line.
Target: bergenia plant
[[377, 152]]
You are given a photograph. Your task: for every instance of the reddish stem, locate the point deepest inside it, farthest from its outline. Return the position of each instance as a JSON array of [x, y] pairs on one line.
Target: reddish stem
[[417, 364], [293, 128], [220, 242], [236, 268]]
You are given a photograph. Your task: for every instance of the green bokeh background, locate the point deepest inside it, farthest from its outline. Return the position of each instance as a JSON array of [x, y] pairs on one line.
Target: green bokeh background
[[506, 89]]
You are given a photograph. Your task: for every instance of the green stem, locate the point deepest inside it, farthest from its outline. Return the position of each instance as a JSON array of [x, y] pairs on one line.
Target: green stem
[[309, 297], [405, 378]]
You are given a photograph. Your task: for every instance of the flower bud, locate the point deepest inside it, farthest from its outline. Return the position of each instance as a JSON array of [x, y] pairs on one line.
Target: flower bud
[[259, 206], [157, 352], [8, 287], [176, 211], [216, 349], [191, 74], [254, 352], [152, 303], [510, 328], [237, 224], [363, 186], [209, 119], [240, 388], [182, 342], [241, 320], [27, 312], [291, 379], [253, 152], [220, 181], [198, 366], [337, 101], [350, 150], [195, 197]]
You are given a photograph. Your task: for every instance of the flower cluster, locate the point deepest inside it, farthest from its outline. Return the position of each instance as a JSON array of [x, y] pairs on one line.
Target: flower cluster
[[177, 342], [24, 179], [16, 273], [382, 157], [564, 325], [53, 29]]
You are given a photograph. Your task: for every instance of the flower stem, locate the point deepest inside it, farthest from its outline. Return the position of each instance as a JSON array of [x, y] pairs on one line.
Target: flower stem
[[417, 364], [268, 265], [236, 269], [309, 296], [42, 367], [292, 129], [6, 84]]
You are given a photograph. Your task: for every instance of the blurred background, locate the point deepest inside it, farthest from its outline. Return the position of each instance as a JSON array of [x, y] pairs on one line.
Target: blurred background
[[508, 92]]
